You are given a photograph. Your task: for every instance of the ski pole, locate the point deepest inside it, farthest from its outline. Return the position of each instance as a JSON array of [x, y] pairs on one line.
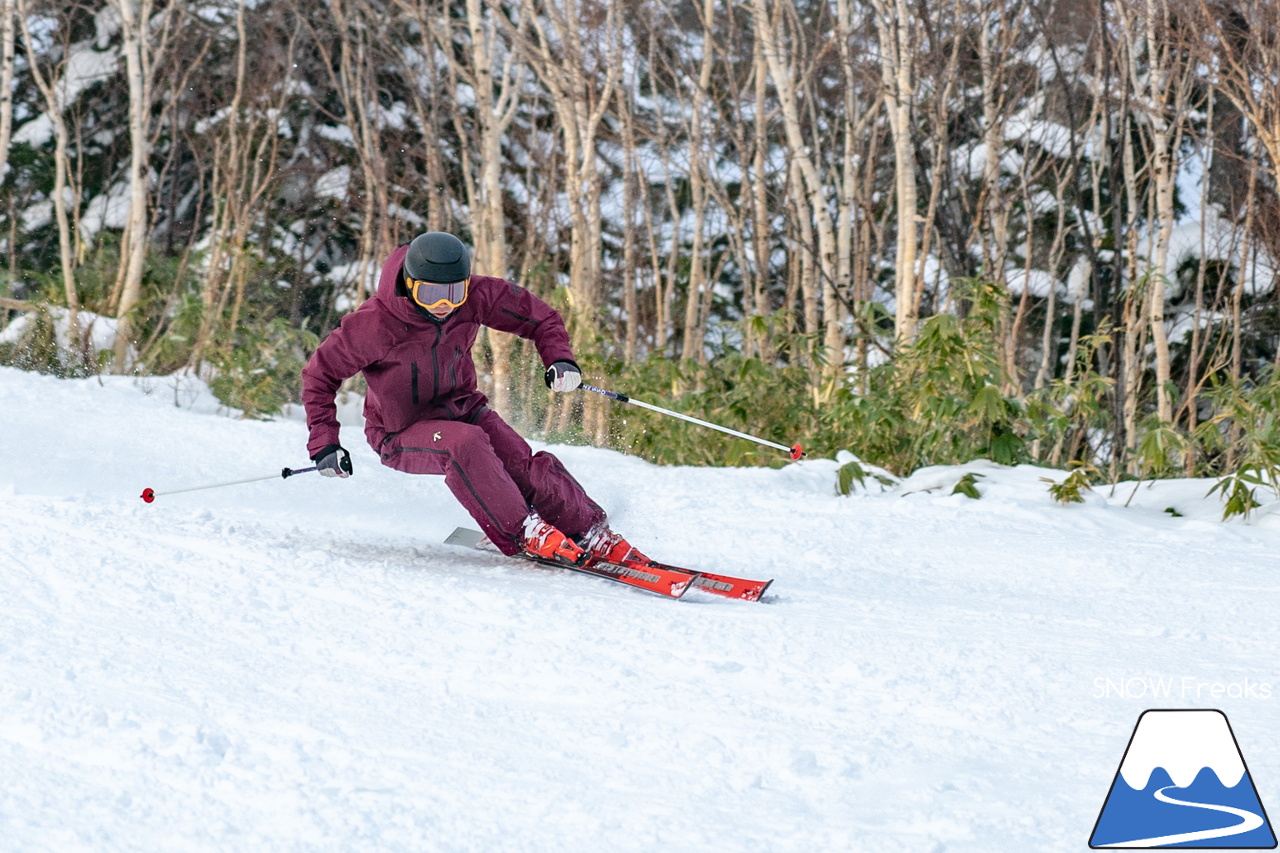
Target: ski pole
[[150, 495], [795, 450]]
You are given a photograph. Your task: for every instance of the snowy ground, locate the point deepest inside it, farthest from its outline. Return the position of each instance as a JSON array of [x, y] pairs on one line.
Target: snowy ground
[[301, 665]]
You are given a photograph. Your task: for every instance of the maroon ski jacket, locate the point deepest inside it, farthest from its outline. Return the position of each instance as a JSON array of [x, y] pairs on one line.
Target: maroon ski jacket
[[419, 368]]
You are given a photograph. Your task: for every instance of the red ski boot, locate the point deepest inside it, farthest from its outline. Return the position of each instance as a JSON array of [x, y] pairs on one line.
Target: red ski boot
[[603, 544], [545, 542]]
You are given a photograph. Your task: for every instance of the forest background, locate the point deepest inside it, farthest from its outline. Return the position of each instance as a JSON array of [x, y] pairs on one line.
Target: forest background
[[1025, 230]]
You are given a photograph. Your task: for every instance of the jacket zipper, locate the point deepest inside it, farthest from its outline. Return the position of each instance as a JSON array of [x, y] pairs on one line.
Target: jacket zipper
[[435, 362], [413, 373]]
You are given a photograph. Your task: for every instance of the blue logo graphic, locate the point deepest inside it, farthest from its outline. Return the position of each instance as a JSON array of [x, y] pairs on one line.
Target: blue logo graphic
[[1183, 783]]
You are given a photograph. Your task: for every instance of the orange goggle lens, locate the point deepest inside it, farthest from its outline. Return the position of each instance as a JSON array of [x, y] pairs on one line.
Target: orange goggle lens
[[432, 294]]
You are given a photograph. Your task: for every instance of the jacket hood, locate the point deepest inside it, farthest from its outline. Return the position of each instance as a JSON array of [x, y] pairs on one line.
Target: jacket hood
[[401, 307]]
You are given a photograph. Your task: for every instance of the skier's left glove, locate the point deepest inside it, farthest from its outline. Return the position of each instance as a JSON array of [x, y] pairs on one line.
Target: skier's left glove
[[563, 376]]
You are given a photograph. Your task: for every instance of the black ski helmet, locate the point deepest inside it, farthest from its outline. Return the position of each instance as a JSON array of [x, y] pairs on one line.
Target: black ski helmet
[[437, 256]]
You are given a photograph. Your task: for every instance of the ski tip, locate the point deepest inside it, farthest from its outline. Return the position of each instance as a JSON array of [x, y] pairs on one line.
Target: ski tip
[[764, 589]]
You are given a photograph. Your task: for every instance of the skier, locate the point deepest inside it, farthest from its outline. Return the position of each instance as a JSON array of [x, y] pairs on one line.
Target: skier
[[424, 414]]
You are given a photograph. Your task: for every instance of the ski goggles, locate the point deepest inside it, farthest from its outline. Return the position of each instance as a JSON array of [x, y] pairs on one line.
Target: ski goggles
[[433, 294]]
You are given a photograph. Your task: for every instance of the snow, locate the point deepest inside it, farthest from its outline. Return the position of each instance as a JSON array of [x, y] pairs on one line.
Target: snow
[[37, 132], [1039, 282], [334, 183], [37, 215], [335, 132], [106, 210], [1050, 136], [85, 67], [97, 333], [301, 664]]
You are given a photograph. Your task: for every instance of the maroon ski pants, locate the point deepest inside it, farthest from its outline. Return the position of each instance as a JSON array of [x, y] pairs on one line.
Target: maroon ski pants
[[495, 475]]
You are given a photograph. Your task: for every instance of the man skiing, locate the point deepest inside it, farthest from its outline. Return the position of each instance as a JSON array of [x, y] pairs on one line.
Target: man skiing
[[424, 415]]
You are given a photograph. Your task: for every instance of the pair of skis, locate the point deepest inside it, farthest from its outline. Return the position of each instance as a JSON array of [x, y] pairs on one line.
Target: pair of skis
[[670, 581]]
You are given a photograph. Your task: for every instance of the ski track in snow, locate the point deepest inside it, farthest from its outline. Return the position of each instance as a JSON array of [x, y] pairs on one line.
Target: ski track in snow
[[302, 665]]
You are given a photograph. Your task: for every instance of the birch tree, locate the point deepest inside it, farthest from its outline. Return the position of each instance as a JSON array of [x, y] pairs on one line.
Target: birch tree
[[246, 154], [50, 84], [146, 36], [774, 30], [572, 62], [352, 66], [898, 44], [1159, 77], [490, 64], [7, 29]]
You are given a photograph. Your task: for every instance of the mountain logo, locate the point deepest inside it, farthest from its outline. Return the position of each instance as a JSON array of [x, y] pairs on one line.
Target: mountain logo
[[1183, 783]]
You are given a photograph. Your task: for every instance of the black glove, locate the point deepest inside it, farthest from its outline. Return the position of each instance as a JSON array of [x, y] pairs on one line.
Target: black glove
[[563, 376], [333, 461]]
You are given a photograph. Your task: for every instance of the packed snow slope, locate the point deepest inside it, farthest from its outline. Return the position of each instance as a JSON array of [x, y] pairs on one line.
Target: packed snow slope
[[302, 665]]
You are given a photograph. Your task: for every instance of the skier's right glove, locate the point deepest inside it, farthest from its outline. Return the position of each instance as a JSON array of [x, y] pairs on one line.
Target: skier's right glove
[[333, 461], [563, 376]]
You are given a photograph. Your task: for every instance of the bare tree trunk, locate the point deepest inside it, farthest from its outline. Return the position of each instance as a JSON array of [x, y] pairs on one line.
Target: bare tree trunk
[[1239, 43], [666, 292], [1160, 79], [759, 191], [354, 86], [854, 128], [818, 284], [1049, 341], [495, 74], [1080, 275], [699, 197], [631, 176], [871, 243], [1237, 295], [1134, 294], [1202, 268], [897, 68], [657, 337], [7, 10], [580, 90], [245, 162], [48, 86], [145, 32], [997, 206], [134, 245], [424, 93]]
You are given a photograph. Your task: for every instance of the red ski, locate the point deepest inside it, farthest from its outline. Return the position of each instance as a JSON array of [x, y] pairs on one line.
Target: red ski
[[670, 581]]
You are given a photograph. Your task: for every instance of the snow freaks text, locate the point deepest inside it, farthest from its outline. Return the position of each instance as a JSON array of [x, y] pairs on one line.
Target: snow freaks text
[[1175, 687]]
